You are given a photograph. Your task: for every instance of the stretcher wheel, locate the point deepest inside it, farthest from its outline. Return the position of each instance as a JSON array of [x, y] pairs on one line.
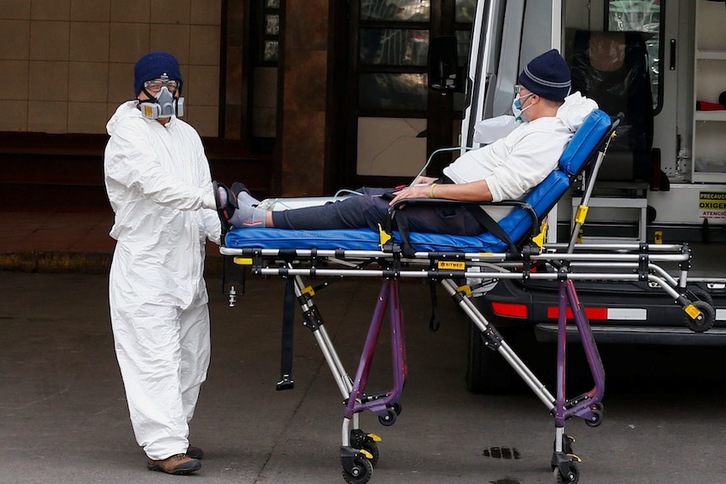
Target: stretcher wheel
[[595, 420], [360, 473], [389, 418], [708, 317], [702, 294], [572, 477], [362, 441], [372, 448], [396, 407], [566, 447]]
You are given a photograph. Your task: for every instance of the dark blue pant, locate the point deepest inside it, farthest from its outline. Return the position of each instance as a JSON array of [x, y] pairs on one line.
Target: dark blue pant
[[369, 210]]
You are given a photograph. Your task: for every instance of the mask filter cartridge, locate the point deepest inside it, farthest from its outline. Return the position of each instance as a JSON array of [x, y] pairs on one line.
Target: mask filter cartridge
[[164, 105]]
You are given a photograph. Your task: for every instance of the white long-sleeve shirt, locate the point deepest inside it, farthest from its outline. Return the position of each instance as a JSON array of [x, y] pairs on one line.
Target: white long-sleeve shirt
[[515, 164]]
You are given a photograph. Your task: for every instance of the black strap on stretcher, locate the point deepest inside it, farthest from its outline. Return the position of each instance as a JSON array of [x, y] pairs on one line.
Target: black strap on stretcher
[[481, 216], [486, 221], [402, 225], [286, 341], [435, 320]]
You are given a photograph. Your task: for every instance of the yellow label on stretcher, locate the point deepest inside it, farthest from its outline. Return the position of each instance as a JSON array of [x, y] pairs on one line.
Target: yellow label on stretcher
[[581, 214], [242, 261], [692, 311], [451, 265]]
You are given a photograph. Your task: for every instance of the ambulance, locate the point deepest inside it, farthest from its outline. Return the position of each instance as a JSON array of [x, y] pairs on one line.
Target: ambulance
[[661, 63]]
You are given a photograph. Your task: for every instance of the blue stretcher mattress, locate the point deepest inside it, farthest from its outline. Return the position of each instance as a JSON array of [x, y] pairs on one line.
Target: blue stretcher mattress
[[516, 224]]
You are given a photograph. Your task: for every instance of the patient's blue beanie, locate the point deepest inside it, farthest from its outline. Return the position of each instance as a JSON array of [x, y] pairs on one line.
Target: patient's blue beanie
[[154, 65], [548, 76]]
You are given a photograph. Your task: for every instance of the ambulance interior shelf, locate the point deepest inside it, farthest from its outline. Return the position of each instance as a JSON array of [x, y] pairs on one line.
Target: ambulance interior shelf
[[708, 148]]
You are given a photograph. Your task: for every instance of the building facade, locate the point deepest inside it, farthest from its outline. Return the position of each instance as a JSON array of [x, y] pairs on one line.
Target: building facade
[[292, 97]]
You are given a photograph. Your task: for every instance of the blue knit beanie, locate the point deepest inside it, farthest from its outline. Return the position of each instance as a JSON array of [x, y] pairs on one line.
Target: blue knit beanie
[[154, 65], [548, 76]]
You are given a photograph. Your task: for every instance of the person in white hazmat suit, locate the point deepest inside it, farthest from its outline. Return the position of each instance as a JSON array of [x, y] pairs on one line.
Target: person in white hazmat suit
[[159, 185]]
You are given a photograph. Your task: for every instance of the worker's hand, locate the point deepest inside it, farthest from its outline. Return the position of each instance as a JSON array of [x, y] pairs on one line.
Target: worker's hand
[[416, 191]]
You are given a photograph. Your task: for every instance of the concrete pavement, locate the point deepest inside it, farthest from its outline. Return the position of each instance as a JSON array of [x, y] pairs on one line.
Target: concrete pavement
[[63, 416]]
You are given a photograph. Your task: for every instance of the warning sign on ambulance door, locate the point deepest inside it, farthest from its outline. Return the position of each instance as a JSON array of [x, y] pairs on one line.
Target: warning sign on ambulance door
[[712, 204]]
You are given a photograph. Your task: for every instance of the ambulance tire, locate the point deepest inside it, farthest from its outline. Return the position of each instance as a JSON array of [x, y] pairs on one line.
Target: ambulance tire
[[487, 372]]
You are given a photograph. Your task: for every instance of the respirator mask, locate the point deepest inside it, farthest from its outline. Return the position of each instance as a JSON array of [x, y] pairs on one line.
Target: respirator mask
[[161, 102], [517, 106]]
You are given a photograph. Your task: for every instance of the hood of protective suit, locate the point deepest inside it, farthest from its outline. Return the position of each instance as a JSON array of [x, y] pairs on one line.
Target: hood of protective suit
[[127, 110]]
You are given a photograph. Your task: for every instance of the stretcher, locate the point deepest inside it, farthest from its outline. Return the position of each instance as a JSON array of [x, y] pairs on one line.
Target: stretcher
[[465, 266]]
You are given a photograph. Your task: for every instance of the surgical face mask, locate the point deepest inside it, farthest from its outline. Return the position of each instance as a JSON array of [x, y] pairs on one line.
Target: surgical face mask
[[163, 105], [517, 107]]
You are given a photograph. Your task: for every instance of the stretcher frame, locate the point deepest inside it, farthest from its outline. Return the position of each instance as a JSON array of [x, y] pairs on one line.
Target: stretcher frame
[[458, 272]]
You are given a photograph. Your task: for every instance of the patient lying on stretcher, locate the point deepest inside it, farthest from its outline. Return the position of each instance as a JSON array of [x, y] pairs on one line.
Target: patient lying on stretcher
[[505, 169]]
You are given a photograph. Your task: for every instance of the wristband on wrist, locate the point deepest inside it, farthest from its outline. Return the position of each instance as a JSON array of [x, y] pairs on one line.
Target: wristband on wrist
[[431, 190]]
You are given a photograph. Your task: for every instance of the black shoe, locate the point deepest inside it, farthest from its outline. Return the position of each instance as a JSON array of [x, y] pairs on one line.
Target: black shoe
[[239, 187], [224, 210], [247, 197]]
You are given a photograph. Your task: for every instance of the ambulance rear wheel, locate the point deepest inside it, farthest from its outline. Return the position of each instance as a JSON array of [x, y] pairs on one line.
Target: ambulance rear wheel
[[487, 371]]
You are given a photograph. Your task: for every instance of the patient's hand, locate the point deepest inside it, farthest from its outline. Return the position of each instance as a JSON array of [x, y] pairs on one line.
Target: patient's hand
[[421, 191], [424, 180]]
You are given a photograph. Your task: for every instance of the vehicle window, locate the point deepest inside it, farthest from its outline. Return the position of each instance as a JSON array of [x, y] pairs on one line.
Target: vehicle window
[[394, 47], [642, 16], [465, 10], [392, 91], [396, 10], [388, 100]]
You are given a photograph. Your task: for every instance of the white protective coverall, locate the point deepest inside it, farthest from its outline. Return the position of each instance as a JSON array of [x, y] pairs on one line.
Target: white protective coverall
[[159, 185]]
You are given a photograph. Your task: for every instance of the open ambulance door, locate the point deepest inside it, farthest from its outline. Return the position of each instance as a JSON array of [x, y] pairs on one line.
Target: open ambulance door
[[507, 34]]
